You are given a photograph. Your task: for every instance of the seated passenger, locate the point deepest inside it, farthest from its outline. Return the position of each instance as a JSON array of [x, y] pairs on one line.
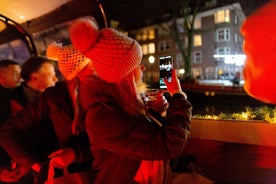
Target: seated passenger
[[71, 152]]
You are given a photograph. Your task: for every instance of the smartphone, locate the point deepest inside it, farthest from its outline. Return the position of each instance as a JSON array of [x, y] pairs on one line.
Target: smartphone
[[165, 70]]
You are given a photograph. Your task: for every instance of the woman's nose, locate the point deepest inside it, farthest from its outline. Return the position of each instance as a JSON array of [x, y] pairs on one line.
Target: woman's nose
[[143, 67]]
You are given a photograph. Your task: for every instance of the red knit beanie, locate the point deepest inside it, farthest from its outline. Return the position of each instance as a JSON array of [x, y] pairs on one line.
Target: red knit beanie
[[113, 54], [70, 60]]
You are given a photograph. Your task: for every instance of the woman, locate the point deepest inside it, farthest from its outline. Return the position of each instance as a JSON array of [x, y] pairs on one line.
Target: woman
[[128, 145]]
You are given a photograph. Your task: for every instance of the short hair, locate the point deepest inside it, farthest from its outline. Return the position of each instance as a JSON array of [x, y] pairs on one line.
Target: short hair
[[6, 62], [32, 65]]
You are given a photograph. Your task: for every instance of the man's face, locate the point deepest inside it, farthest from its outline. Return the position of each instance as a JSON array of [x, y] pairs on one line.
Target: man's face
[[10, 76], [45, 77]]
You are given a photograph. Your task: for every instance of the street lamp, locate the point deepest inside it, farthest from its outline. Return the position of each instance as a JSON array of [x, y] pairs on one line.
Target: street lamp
[[151, 59]]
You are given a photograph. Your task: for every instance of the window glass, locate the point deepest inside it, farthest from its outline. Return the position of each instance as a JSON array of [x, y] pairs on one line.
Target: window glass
[[197, 73], [197, 57], [222, 16], [151, 48], [197, 40], [145, 49], [223, 35], [151, 34], [15, 50], [197, 24]]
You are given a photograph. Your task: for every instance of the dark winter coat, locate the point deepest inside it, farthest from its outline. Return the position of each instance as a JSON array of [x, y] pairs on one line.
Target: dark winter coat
[[5, 113], [121, 141], [55, 104]]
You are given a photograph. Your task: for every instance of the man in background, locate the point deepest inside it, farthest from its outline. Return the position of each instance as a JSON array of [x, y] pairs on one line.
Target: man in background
[[9, 79]]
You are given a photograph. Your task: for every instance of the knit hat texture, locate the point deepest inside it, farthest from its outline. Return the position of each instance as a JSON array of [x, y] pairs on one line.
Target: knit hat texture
[[114, 54], [70, 60]]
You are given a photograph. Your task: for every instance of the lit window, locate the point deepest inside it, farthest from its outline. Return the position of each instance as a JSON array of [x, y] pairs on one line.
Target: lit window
[[151, 48], [148, 48], [222, 16], [223, 35], [145, 49], [145, 35], [138, 36], [197, 40], [197, 73], [151, 34], [197, 57], [197, 24]]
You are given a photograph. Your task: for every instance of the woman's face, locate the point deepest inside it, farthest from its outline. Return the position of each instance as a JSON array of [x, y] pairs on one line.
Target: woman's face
[[138, 74]]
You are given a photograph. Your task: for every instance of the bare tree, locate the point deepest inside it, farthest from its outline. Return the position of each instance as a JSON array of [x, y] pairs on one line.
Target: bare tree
[[188, 10]]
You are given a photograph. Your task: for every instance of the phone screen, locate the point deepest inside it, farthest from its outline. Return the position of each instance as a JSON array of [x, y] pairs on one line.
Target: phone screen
[[165, 70]]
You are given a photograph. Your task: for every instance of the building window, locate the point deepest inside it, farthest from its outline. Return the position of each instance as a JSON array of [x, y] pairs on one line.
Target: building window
[[209, 73], [164, 46], [146, 34], [145, 49], [197, 57], [138, 36], [221, 51], [197, 24], [148, 48], [197, 73], [223, 35], [151, 34], [197, 40], [151, 48], [222, 16]]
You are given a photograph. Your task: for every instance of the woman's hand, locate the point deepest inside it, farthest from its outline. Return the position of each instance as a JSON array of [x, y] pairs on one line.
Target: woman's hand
[[62, 158], [174, 86]]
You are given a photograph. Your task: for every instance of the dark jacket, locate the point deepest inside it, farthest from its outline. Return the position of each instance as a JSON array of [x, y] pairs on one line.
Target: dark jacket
[[40, 137], [55, 104], [5, 113], [120, 141]]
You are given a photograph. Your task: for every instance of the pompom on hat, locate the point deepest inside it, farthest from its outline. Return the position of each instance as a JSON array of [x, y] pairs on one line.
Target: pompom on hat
[[70, 60], [114, 55]]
